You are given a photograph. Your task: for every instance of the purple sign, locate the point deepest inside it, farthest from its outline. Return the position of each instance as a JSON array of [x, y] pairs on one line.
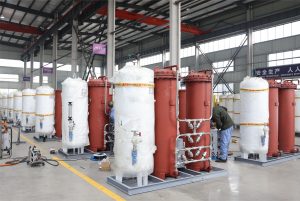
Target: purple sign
[[26, 79], [99, 48], [47, 70]]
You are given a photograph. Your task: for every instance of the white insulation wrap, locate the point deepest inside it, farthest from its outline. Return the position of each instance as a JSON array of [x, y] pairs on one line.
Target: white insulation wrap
[[134, 122], [254, 115], [17, 106], [236, 109], [28, 108], [222, 100], [5, 105], [297, 111], [75, 127], [44, 117], [229, 104], [10, 115]]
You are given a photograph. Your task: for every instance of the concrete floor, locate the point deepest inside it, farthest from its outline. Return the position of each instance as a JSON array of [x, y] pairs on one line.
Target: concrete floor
[[244, 182]]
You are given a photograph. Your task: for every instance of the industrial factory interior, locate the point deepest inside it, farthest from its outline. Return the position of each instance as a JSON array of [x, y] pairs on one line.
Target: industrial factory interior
[[182, 100]]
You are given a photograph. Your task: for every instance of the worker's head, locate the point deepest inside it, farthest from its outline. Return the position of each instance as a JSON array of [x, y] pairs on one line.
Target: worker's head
[[111, 104]]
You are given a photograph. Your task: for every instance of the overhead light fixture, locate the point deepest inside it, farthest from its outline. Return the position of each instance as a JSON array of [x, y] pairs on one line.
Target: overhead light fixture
[[2, 17]]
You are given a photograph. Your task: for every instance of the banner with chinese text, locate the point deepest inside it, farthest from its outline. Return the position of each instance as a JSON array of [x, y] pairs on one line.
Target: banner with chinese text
[[292, 70]]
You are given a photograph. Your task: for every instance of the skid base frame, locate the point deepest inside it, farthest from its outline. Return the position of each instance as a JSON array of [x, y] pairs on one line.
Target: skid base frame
[[42, 138], [186, 176], [75, 153], [270, 160]]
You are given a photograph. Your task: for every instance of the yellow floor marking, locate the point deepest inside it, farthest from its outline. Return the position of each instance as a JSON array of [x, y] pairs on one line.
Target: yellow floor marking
[[81, 175]]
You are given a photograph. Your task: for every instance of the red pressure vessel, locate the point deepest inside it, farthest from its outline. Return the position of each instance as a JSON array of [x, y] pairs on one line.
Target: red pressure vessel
[[97, 115], [182, 111], [198, 106], [165, 123], [287, 117], [58, 114], [273, 118]]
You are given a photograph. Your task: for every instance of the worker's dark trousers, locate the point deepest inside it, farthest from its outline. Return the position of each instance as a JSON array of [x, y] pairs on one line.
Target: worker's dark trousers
[[225, 137]]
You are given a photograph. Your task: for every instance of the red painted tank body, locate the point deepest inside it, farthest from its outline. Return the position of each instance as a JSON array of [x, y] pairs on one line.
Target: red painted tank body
[[58, 114], [273, 118], [198, 106], [97, 115], [287, 117], [182, 111], [165, 123]]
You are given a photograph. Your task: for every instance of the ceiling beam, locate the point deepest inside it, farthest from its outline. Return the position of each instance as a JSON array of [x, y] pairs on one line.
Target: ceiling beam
[[26, 10], [126, 15], [10, 26], [14, 36], [11, 44]]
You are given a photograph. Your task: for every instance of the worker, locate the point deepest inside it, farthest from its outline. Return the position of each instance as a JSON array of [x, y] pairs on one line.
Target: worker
[[225, 124], [111, 112]]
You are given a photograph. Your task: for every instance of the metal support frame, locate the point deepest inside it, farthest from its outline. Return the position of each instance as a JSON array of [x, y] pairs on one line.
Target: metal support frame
[[54, 56], [186, 176], [175, 33], [74, 53], [110, 62], [31, 69], [213, 68], [250, 41], [41, 64], [270, 160]]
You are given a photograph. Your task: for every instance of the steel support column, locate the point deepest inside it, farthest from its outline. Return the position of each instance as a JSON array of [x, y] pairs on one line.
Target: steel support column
[[54, 56], [175, 33], [31, 69], [25, 73], [110, 62], [41, 64], [74, 54], [250, 41], [197, 56]]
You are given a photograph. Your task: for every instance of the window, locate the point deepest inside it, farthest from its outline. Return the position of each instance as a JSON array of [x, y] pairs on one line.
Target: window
[[223, 44], [12, 63], [221, 65], [221, 88], [184, 71], [186, 52], [284, 58], [62, 67], [36, 79], [9, 77], [276, 32], [7, 91], [151, 60]]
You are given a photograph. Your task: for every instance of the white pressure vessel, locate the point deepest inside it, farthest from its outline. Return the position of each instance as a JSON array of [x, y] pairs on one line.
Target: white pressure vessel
[[297, 111], [5, 105], [1, 107], [17, 106], [236, 109], [254, 116], [10, 115], [75, 128], [134, 123], [222, 100], [44, 122], [28, 108], [229, 104]]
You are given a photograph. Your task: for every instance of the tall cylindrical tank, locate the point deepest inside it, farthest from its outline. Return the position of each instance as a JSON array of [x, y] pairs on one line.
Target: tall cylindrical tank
[[5, 106], [297, 111], [273, 117], [286, 135], [58, 114], [75, 128], [98, 102], [198, 106], [254, 116], [17, 106], [28, 108], [236, 109], [222, 100], [229, 105], [134, 123], [10, 115], [165, 123], [182, 111], [44, 122]]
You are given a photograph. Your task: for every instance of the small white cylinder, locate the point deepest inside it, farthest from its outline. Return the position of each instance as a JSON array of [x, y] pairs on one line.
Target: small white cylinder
[[236, 109], [17, 106], [28, 108], [10, 110]]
